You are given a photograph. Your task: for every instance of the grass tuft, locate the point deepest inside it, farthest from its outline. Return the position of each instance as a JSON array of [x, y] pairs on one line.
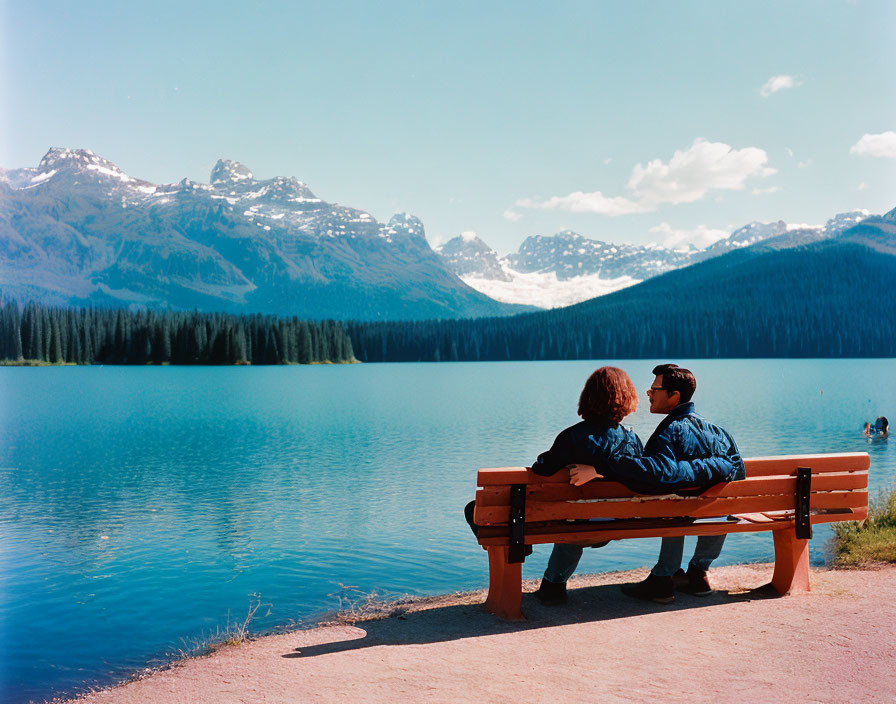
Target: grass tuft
[[232, 633], [862, 543]]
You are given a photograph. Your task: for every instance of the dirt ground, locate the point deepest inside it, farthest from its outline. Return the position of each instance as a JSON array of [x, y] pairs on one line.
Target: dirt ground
[[835, 644]]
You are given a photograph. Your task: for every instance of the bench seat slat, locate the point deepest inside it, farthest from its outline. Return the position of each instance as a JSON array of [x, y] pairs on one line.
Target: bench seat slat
[[753, 486], [649, 528], [756, 467], [666, 507], [506, 475], [840, 462]]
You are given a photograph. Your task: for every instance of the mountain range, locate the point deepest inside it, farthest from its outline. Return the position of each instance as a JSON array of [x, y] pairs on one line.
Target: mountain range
[[779, 297], [77, 230], [567, 268]]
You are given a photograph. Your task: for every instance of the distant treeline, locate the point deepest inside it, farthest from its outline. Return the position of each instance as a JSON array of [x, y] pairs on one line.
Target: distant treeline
[[822, 302], [829, 300], [105, 336]]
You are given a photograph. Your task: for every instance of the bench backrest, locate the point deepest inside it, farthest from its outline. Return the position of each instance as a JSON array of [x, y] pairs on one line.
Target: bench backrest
[[839, 487]]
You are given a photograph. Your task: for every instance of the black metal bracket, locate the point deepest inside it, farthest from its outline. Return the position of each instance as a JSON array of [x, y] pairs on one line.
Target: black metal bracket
[[803, 489], [517, 552]]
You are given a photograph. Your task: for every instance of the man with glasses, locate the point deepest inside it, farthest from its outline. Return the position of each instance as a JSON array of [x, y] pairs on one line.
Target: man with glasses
[[685, 455]]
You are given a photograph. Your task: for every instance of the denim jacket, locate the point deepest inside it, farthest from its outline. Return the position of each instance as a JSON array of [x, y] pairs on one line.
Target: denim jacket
[[686, 454], [588, 442]]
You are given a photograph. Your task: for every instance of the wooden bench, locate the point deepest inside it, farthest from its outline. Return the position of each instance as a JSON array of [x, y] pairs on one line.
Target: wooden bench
[[786, 495]]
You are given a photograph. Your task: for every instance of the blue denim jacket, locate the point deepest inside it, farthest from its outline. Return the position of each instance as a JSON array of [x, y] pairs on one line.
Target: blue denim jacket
[[686, 454], [588, 442]]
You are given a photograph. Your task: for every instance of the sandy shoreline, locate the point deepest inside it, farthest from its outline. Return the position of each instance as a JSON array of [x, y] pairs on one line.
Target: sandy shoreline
[[836, 644]]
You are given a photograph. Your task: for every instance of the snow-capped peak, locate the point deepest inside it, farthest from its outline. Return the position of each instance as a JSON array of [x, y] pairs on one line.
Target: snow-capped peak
[[403, 219], [227, 172], [407, 222], [80, 160], [843, 221], [756, 231], [467, 255], [58, 157]]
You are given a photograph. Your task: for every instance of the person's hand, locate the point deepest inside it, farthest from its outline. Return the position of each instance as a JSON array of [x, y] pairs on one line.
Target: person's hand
[[581, 473]]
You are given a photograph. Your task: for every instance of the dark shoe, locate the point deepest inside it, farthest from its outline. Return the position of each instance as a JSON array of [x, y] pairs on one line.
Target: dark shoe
[[680, 579], [655, 588], [693, 581], [551, 593], [697, 583]]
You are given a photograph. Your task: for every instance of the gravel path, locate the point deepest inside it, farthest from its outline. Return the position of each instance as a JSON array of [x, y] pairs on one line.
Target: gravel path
[[836, 644]]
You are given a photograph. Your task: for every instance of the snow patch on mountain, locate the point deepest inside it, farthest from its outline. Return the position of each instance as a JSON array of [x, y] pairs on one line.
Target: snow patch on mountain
[[843, 221], [17, 178], [553, 271], [43, 176], [545, 289]]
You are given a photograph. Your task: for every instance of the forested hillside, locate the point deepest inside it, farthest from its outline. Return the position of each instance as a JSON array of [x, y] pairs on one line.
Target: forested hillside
[[103, 336], [831, 299]]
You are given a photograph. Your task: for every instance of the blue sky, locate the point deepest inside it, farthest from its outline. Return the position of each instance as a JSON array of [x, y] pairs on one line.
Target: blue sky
[[627, 122]]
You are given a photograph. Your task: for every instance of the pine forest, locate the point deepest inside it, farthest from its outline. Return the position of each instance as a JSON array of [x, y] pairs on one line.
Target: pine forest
[[42, 334]]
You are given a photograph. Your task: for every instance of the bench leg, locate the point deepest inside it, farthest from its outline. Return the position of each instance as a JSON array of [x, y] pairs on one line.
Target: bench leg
[[505, 585], [791, 563]]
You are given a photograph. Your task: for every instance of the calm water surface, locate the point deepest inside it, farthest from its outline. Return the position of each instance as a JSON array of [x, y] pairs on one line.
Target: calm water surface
[[142, 509]]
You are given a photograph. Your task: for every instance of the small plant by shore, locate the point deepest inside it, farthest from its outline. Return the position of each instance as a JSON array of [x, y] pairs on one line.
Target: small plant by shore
[[232, 633], [861, 543]]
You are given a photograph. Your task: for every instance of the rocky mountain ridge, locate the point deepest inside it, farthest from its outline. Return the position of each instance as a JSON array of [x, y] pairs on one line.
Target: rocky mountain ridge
[[567, 268], [78, 230]]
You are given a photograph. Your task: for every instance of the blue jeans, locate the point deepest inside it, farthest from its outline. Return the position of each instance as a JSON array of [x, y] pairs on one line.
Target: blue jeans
[[564, 560], [708, 549]]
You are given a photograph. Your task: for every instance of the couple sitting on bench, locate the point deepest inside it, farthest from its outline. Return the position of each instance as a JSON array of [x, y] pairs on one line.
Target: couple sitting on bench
[[685, 455]]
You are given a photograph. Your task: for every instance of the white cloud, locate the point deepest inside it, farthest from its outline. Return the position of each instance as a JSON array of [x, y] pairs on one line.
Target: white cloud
[[511, 215], [579, 202], [881, 145], [765, 191], [701, 236], [608, 160], [692, 172], [468, 235], [789, 151], [776, 83], [688, 176], [862, 186], [803, 164]]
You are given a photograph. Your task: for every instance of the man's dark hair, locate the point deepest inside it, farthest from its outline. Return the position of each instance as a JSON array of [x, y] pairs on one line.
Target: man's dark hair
[[678, 379]]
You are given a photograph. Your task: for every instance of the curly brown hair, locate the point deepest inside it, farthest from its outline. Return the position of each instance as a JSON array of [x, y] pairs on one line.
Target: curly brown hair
[[609, 395]]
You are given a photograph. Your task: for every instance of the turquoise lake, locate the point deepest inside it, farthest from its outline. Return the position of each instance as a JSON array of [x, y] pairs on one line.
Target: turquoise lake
[[144, 508]]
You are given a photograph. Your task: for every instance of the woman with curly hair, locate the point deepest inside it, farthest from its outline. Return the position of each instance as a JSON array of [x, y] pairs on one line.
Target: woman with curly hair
[[608, 397]]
